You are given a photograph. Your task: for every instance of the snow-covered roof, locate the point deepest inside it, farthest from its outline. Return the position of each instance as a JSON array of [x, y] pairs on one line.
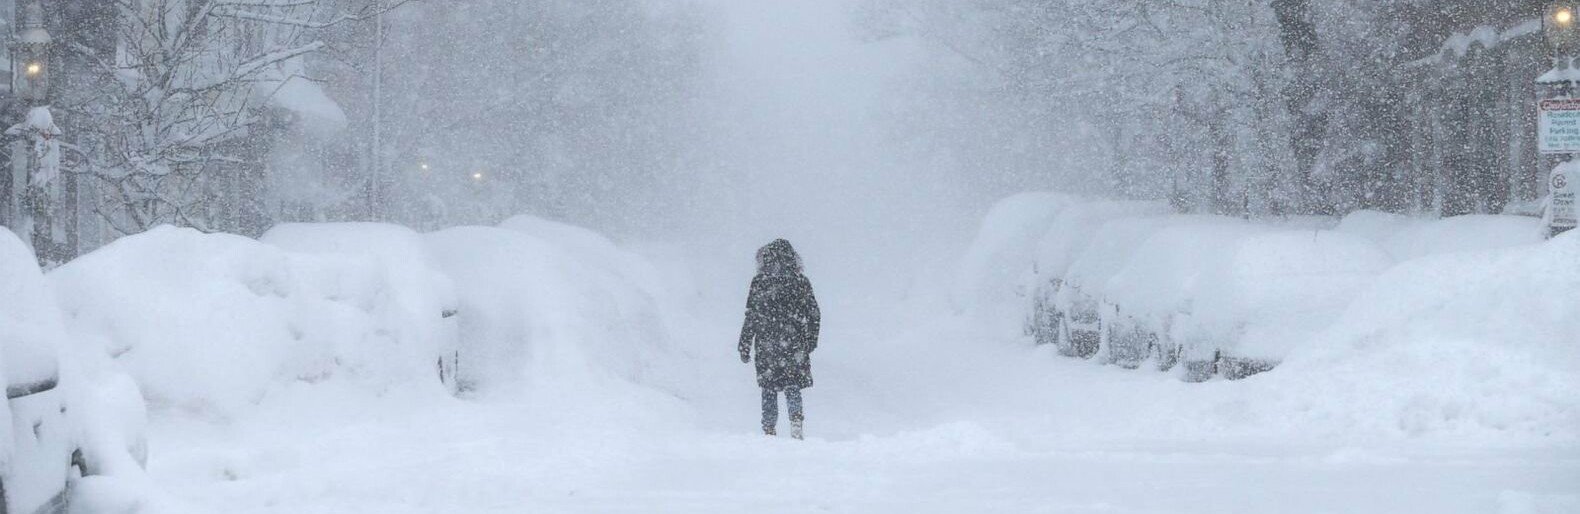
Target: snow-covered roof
[[1488, 36], [318, 112], [1559, 75]]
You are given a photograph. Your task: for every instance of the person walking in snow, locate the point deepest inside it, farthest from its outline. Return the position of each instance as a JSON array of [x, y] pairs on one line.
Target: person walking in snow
[[782, 324]]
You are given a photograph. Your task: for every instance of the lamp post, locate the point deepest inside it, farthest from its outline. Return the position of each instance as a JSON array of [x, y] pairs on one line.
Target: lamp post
[[35, 149], [30, 46], [1559, 113]]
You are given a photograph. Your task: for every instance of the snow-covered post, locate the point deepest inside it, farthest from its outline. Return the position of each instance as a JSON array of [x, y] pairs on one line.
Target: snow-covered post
[[1559, 114], [35, 148], [36, 153]]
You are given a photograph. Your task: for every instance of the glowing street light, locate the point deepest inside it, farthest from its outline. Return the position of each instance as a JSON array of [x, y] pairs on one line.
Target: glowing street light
[[1559, 24], [423, 166], [477, 176], [30, 50]]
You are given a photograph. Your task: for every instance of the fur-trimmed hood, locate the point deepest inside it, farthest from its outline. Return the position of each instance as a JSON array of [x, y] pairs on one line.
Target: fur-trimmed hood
[[778, 258]]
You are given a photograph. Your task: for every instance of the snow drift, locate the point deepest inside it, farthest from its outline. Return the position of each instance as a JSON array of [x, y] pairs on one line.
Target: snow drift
[[1458, 343], [549, 305], [92, 408], [215, 323], [1457, 326], [210, 323], [313, 325]]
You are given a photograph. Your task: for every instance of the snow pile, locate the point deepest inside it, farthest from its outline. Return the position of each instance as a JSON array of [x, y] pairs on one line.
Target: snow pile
[[1377, 323], [552, 306], [1285, 284], [1463, 343], [93, 407], [214, 323], [33, 334], [1408, 238], [211, 323], [421, 298], [1129, 283]]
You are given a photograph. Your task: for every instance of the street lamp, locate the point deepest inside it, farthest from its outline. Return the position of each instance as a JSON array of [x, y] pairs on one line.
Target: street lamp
[[1559, 26], [30, 56], [35, 151]]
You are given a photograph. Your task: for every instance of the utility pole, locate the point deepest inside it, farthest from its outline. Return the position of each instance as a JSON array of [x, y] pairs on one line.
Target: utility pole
[[35, 149], [1559, 113], [376, 171]]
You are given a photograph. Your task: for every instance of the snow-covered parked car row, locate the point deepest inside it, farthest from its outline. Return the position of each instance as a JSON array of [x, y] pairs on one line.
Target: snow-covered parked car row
[[215, 323], [1129, 284], [211, 327]]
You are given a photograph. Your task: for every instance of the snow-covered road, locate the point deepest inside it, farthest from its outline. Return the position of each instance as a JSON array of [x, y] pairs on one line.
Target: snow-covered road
[[966, 422]]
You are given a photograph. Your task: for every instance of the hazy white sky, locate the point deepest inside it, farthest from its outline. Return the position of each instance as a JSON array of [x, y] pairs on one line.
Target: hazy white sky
[[800, 106]]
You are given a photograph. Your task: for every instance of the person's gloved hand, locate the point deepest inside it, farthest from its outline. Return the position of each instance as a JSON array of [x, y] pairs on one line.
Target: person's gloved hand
[[745, 358]]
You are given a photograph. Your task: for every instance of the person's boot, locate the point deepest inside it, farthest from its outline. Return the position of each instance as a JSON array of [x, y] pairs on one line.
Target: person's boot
[[795, 430], [769, 431]]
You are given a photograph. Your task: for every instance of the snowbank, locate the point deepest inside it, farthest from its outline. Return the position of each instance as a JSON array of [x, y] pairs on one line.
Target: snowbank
[[215, 323], [1127, 282], [33, 333], [92, 406], [316, 324], [1467, 344], [422, 300], [1408, 238], [1457, 326], [551, 306], [211, 323]]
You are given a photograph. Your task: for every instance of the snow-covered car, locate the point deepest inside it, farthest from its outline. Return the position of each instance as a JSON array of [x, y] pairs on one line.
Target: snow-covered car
[[1083, 329], [37, 438], [37, 449], [67, 413]]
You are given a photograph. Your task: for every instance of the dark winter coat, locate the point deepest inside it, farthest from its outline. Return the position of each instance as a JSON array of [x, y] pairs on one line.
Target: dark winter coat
[[782, 320]]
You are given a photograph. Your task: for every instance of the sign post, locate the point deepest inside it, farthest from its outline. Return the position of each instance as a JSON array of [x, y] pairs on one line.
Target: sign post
[[1558, 117], [1561, 215]]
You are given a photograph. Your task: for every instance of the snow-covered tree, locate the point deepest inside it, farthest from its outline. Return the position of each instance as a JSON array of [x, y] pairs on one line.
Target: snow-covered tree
[[1259, 106], [181, 103]]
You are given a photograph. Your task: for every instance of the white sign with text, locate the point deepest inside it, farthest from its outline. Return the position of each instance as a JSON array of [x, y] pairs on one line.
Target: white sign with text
[[1558, 122], [1562, 185]]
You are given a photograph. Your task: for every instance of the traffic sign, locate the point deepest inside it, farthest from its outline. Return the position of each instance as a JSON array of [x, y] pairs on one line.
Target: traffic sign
[[1561, 206], [1558, 122]]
